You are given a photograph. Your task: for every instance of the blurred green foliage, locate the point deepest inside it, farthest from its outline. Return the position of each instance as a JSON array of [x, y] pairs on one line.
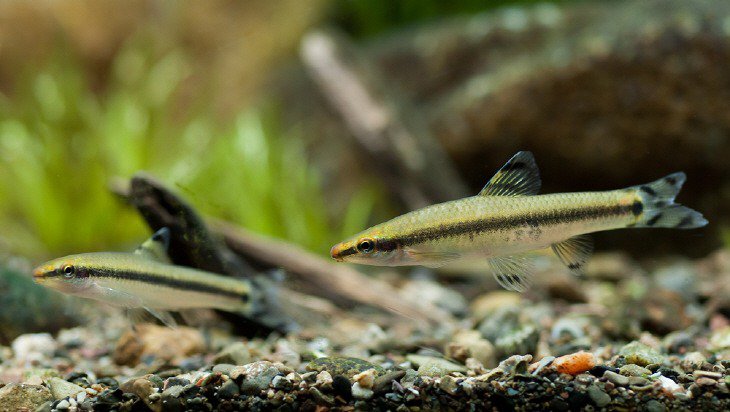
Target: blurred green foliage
[[364, 18], [62, 142]]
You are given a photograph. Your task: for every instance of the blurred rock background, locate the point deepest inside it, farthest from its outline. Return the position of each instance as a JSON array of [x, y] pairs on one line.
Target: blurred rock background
[[214, 99]]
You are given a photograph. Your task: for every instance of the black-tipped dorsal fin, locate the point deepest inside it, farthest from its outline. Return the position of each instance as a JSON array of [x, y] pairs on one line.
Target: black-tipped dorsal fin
[[574, 252], [513, 272], [155, 247], [518, 177]]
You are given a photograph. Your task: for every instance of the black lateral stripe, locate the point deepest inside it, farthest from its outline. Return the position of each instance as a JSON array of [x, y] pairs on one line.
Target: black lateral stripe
[[192, 286], [494, 224], [648, 190]]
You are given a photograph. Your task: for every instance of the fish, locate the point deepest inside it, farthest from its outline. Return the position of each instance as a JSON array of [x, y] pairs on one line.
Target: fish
[[147, 279], [508, 221]]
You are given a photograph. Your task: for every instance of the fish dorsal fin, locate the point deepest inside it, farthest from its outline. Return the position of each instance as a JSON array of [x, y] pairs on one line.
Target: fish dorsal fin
[[518, 177], [513, 272], [574, 252], [155, 247]]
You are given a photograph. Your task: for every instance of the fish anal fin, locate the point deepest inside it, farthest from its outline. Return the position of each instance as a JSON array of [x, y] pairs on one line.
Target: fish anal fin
[[574, 252], [513, 272], [518, 177], [432, 259], [155, 247]]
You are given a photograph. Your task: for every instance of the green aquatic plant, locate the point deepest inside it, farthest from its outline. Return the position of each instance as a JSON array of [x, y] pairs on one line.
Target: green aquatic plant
[[61, 143]]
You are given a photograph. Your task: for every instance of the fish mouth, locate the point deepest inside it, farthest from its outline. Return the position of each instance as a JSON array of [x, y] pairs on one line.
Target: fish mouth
[[39, 274], [340, 250]]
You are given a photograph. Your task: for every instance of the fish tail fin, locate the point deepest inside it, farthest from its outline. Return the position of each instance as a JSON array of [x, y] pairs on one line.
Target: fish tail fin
[[658, 207], [266, 306]]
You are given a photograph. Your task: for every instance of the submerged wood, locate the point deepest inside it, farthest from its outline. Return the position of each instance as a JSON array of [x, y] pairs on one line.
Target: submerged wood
[[400, 145]]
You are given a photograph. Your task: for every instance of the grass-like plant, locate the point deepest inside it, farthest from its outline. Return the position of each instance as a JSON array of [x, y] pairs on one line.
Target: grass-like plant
[[61, 142]]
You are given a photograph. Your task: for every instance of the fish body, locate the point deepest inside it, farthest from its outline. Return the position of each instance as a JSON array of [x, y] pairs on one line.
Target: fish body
[[146, 279], [131, 280], [507, 220]]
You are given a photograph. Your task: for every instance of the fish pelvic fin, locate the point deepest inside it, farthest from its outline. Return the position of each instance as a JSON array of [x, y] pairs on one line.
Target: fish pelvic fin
[[574, 252], [658, 208], [513, 272], [518, 177]]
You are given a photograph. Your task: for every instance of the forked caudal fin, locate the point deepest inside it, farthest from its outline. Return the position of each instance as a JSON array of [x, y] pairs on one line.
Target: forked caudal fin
[[659, 209]]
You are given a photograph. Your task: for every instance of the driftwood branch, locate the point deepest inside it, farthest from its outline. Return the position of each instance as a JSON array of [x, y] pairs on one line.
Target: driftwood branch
[[400, 145], [338, 283]]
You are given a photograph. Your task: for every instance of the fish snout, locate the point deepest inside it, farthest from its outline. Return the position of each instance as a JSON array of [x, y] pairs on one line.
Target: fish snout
[[336, 252], [39, 274]]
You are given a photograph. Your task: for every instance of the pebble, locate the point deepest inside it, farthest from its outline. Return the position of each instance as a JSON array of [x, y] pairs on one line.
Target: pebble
[[342, 366], [324, 378], [575, 363], [470, 344], [63, 405], [654, 406], [385, 382], [33, 346], [720, 339], [634, 370], [640, 354], [515, 364], [258, 378], [158, 342], [16, 397], [224, 368], [598, 396], [236, 353], [615, 378], [359, 392], [228, 390], [142, 387], [365, 379], [61, 389], [449, 385], [433, 366], [484, 305]]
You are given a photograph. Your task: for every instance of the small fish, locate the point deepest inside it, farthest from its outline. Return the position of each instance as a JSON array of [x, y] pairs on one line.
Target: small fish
[[508, 219], [146, 279]]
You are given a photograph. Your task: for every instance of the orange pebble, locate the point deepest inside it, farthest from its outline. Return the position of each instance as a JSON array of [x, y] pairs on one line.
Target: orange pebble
[[575, 363]]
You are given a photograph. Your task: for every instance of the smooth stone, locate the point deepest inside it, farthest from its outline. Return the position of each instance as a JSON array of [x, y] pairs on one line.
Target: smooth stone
[[61, 389], [655, 406], [359, 392], [63, 405], [616, 378], [598, 396], [342, 366], [228, 390], [640, 354], [236, 353], [634, 370], [15, 396], [432, 366], [143, 387], [224, 368], [254, 383]]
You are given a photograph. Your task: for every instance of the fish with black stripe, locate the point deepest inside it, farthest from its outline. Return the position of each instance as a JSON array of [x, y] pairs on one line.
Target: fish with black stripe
[[146, 279], [508, 220]]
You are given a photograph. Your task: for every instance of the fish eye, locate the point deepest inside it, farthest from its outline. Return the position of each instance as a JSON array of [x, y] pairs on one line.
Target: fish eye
[[68, 271], [366, 246]]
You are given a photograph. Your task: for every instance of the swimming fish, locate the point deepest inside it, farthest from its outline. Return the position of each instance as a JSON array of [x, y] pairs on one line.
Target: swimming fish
[[146, 279], [508, 219]]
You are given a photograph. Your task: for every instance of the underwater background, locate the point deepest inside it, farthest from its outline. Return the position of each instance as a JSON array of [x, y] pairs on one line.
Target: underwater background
[[307, 122]]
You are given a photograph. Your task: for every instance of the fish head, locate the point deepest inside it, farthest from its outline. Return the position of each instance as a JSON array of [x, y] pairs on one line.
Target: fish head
[[369, 248], [68, 275]]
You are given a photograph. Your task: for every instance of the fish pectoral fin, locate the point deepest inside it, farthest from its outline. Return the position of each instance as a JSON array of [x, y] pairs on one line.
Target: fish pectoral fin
[[155, 248], [518, 177], [163, 316], [513, 272], [432, 259], [574, 253]]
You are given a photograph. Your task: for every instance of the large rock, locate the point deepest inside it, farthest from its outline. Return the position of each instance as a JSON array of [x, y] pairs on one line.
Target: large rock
[[17, 397]]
